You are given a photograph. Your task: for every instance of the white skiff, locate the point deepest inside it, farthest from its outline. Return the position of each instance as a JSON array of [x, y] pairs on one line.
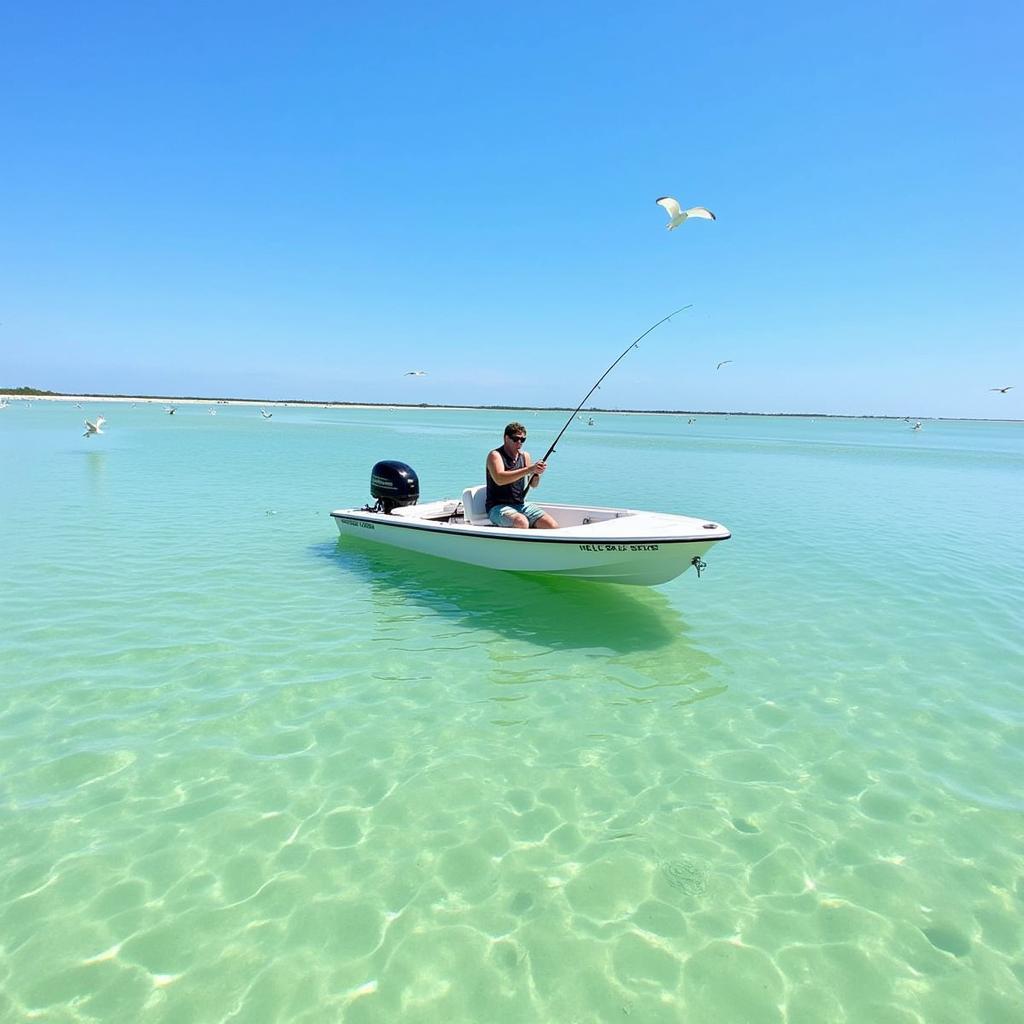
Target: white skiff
[[612, 545]]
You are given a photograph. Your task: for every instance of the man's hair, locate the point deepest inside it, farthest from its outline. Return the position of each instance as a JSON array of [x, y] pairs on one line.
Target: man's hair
[[514, 428]]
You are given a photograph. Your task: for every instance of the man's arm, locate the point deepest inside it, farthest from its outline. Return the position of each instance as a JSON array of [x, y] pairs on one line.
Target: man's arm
[[502, 476]]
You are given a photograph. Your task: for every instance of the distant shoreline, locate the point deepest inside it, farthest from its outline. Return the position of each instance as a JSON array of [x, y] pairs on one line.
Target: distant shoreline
[[26, 394]]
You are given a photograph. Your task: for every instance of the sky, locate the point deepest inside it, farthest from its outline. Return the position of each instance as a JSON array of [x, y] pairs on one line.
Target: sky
[[305, 201]]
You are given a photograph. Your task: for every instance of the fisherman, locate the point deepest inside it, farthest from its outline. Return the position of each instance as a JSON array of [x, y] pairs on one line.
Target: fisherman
[[510, 471]]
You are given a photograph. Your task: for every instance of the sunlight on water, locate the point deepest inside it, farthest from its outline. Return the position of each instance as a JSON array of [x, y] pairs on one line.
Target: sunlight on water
[[251, 772]]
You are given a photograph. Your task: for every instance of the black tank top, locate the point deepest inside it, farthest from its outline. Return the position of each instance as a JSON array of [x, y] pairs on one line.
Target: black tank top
[[506, 494]]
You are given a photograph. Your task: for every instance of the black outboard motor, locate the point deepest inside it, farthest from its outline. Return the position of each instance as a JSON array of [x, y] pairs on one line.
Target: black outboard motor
[[394, 484]]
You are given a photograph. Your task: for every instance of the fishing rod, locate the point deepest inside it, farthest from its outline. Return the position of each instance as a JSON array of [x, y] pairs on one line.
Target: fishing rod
[[631, 345]]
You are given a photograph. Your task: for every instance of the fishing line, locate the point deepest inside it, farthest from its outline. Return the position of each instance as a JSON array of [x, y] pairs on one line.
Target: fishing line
[[597, 384]]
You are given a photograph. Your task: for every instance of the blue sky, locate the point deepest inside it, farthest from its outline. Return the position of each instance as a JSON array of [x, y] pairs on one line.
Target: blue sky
[[307, 200]]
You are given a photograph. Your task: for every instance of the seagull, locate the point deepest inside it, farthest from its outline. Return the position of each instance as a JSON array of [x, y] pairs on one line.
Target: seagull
[[213, 412], [94, 428], [916, 426], [722, 363], [170, 410], [415, 373], [1002, 391], [266, 415], [677, 214]]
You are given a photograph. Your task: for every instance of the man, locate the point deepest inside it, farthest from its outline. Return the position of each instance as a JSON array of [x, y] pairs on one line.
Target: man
[[508, 469]]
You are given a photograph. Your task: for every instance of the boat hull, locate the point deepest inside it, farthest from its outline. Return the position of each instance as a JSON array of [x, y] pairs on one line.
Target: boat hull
[[646, 550]]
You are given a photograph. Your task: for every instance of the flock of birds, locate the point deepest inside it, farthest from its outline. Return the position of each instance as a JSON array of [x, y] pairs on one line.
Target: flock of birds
[[94, 427], [676, 216]]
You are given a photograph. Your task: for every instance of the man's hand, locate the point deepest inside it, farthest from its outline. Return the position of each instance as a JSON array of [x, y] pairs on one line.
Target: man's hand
[[538, 468]]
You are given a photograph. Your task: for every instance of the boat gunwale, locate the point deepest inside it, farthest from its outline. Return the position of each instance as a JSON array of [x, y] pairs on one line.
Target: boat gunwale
[[511, 534]]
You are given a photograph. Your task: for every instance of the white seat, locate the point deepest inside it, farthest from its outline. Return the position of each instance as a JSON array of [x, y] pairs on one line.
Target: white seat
[[474, 505]]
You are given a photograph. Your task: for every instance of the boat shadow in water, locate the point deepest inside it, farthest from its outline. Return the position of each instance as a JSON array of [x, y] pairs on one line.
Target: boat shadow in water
[[542, 610]]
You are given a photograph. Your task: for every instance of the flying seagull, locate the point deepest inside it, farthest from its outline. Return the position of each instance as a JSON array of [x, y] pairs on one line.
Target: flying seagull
[[676, 214], [415, 373], [94, 428], [1002, 391], [266, 415], [170, 410], [722, 363]]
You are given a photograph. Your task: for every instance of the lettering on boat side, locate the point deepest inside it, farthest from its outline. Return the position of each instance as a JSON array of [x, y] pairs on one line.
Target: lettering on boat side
[[618, 547], [356, 522]]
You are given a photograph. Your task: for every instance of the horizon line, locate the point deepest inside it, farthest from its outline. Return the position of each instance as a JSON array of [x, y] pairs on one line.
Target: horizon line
[[27, 392]]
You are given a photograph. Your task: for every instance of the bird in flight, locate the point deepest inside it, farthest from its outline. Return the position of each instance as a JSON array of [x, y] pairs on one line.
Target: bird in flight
[[170, 410], [266, 415], [415, 373], [676, 214], [1002, 391], [722, 363], [94, 428]]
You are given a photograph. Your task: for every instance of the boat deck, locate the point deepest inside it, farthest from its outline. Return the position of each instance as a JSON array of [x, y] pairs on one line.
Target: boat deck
[[576, 523]]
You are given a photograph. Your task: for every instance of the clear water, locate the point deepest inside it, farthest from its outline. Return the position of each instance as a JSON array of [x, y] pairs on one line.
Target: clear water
[[251, 773]]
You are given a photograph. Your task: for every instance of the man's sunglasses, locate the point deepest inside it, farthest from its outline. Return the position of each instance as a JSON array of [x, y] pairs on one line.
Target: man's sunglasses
[[518, 438]]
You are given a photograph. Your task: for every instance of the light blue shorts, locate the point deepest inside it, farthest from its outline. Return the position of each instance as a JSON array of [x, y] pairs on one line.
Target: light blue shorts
[[499, 513]]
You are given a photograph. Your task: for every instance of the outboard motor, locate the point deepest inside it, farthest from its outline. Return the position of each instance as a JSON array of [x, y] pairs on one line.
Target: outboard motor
[[394, 484]]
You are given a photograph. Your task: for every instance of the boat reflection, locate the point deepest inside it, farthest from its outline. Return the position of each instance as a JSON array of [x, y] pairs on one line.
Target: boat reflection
[[542, 610]]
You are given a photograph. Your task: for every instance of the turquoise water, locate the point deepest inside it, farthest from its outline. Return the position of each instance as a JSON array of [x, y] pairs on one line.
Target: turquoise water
[[251, 773]]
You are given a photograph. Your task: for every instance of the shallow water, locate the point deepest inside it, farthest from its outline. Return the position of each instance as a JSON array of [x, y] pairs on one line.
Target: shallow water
[[249, 772]]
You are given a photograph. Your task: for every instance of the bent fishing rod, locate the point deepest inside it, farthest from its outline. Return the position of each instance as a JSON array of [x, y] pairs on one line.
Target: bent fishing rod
[[597, 384]]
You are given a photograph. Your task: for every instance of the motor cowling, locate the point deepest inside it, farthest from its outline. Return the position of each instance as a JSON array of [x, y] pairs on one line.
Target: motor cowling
[[394, 485]]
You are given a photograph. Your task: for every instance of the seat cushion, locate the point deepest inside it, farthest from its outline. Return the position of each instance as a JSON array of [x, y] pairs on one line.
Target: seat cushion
[[474, 505]]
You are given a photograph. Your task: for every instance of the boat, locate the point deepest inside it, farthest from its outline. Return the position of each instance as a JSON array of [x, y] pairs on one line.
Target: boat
[[610, 545]]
